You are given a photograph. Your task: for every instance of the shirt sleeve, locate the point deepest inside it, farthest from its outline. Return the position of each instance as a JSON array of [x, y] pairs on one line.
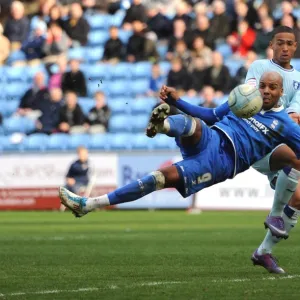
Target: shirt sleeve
[[294, 106], [208, 115], [252, 77]]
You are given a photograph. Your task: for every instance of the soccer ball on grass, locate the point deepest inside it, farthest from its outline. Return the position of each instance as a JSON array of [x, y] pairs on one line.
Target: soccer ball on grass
[[245, 101]]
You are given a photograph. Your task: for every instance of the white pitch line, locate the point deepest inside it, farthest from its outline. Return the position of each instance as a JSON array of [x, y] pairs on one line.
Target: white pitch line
[[264, 278]]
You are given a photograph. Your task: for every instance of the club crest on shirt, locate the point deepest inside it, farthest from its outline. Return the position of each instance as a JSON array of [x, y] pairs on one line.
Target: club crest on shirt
[[274, 124], [296, 85]]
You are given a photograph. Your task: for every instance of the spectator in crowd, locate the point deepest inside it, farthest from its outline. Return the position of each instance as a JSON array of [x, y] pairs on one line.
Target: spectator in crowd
[[204, 30], [202, 51], [219, 24], [55, 16], [287, 20], [182, 13], [182, 52], [33, 45], [178, 76], [74, 80], [114, 48], [17, 26], [208, 94], [55, 80], [201, 8], [263, 37], [286, 10], [99, 115], [57, 43], [264, 11], [240, 76], [4, 46], [244, 12], [197, 76], [158, 23], [50, 108], [34, 96], [218, 75], [137, 11], [71, 115], [42, 14], [156, 80], [241, 41], [77, 178], [77, 26]]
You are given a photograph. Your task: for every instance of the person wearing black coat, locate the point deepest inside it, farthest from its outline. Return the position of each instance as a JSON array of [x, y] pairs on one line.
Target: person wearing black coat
[[178, 76], [159, 24], [114, 48], [137, 11]]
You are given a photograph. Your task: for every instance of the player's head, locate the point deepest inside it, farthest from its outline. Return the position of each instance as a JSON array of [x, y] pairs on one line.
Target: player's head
[[271, 89], [284, 44], [82, 154]]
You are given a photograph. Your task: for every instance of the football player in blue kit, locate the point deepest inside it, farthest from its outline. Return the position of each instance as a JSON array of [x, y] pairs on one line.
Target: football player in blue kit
[[210, 154]]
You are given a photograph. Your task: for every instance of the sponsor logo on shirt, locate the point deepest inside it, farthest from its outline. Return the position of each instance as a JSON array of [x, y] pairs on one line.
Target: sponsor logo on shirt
[[257, 126], [296, 85]]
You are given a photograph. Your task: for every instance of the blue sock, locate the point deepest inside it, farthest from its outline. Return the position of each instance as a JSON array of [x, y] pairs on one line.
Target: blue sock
[[179, 125], [133, 191]]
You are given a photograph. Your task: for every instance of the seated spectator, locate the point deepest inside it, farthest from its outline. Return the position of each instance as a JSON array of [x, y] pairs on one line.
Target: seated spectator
[[92, 7], [114, 48], [99, 115], [137, 11], [55, 16], [74, 80], [77, 26], [57, 43], [242, 40], [264, 11], [50, 108], [55, 80], [182, 13], [4, 46], [34, 96], [182, 52], [202, 51], [204, 30], [178, 76], [71, 117], [77, 177], [158, 23], [33, 45], [208, 95], [197, 76], [244, 12], [218, 75], [242, 71], [263, 37], [156, 80], [219, 24], [17, 26], [286, 10]]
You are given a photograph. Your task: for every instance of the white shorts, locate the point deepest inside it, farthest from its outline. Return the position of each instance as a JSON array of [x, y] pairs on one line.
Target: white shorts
[[263, 166]]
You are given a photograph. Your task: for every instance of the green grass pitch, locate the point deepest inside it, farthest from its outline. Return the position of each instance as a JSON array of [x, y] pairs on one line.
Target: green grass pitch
[[140, 255]]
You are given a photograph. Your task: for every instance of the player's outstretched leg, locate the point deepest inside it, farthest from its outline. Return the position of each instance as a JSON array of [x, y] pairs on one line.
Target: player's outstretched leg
[[164, 178], [268, 261]]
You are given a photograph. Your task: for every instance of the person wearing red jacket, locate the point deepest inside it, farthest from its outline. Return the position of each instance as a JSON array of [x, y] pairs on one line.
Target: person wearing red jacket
[[242, 40]]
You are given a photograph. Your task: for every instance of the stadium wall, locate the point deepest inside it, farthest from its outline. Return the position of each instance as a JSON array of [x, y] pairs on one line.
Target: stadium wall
[[30, 181]]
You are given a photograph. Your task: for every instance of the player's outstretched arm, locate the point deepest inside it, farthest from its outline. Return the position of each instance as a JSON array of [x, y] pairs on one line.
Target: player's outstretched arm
[[208, 115]]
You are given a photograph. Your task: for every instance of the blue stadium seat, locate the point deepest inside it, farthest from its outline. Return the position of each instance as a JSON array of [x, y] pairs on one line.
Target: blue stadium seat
[[76, 53], [2, 75], [141, 142], [7, 145], [98, 21], [165, 67], [121, 141], [96, 72], [139, 87], [18, 124], [94, 54], [16, 74], [141, 70], [58, 141], [139, 123], [225, 50], [97, 38], [94, 86], [142, 106], [15, 56], [117, 18], [77, 140], [162, 141], [119, 88], [162, 50], [36, 142], [119, 107], [7, 108], [100, 141], [86, 104], [120, 71], [233, 65], [15, 91], [31, 71], [120, 123], [124, 35]]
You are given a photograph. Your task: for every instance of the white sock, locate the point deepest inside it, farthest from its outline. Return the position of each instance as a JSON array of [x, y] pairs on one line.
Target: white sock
[[285, 187], [290, 217], [97, 202]]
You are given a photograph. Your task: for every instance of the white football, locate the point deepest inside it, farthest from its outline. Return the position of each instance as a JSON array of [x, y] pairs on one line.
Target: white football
[[245, 101]]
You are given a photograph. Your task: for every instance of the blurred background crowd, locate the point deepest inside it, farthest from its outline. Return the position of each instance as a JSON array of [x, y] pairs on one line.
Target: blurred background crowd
[[89, 66]]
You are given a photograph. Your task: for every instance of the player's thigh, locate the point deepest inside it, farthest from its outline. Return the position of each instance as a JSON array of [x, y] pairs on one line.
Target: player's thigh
[[281, 157], [295, 200]]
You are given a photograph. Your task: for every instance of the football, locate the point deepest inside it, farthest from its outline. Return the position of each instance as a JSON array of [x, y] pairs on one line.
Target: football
[[245, 101]]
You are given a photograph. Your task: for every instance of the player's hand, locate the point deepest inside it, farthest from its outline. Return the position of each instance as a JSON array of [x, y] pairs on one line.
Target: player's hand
[[295, 117], [70, 181], [168, 93]]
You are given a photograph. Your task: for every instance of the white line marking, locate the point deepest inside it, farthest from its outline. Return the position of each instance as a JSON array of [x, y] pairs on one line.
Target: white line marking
[[264, 278]]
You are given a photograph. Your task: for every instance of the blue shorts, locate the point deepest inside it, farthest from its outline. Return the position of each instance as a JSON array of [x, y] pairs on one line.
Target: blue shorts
[[211, 161]]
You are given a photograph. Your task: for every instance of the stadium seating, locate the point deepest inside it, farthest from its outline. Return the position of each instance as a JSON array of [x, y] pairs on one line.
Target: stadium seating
[[94, 54], [121, 141], [120, 71], [86, 104], [77, 140], [97, 38], [233, 65], [119, 107], [16, 74], [139, 87], [162, 141], [36, 142], [58, 141], [18, 124], [119, 123], [141, 142], [139, 122], [141, 70], [143, 105], [7, 108], [97, 22], [100, 141]]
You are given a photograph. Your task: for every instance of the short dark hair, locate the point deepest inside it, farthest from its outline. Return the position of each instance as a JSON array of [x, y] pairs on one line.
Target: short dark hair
[[282, 29]]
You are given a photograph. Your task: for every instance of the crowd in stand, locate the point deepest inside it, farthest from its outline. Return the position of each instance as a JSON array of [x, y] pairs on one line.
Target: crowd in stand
[[191, 30]]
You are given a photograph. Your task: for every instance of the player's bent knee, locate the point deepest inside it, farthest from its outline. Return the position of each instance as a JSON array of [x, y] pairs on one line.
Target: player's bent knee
[[159, 179]]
